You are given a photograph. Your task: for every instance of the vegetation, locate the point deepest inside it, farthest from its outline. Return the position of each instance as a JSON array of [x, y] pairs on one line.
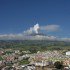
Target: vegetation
[[24, 61], [33, 49], [8, 52], [58, 65], [1, 58], [35, 45]]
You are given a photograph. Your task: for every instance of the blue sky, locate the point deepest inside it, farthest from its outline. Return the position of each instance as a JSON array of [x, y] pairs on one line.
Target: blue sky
[[17, 16]]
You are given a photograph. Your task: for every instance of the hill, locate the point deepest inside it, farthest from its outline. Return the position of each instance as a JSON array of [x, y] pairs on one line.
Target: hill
[[39, 44]]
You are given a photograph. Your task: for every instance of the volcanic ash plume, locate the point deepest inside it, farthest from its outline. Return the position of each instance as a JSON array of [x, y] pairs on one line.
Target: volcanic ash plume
[[36, 28]]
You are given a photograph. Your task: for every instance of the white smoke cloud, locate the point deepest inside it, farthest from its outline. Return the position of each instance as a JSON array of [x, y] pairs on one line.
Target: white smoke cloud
[[21, 36], [36, 28], [26, 35], [33, 29]]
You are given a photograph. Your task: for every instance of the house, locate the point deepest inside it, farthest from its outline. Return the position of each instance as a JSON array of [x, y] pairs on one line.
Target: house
[[68, 53], [29, 67]]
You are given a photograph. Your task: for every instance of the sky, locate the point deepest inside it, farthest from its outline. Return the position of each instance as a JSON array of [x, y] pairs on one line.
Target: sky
[[19, 16]]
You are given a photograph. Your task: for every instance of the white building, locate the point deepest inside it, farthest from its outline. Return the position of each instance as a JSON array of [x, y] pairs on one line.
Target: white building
[[68, 53]]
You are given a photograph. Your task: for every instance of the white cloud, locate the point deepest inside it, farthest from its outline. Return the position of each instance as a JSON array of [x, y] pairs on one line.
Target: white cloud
[[33, 29], [64, 39], [26, 35], [36, 28], [21, 36], [11, 36], [50, 28]]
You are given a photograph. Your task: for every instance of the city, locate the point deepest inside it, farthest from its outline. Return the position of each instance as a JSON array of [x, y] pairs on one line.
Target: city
[[34, 34], [22, 58]]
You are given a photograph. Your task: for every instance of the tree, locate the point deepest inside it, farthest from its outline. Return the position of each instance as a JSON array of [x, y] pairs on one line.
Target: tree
[[33, 49], [58, 65]]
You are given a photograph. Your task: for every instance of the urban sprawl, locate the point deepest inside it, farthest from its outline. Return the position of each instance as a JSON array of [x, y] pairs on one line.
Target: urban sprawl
[[42, 60]]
